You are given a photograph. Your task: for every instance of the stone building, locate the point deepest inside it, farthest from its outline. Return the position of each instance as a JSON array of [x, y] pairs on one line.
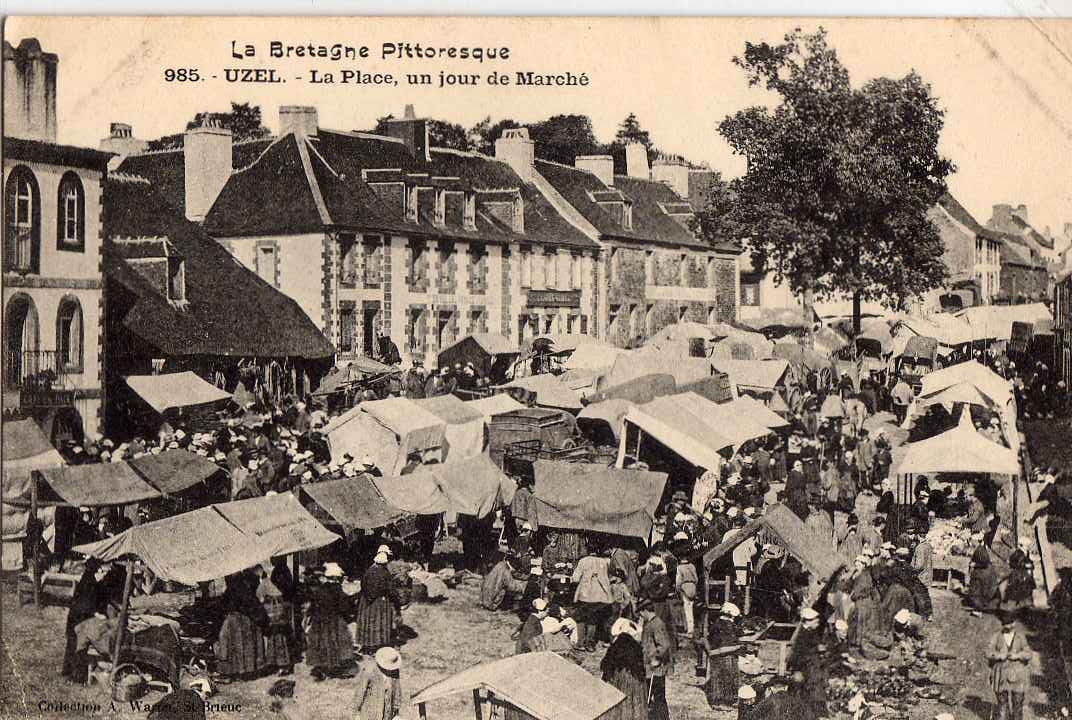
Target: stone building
[[53, 299], [972, 254], [385, 234], [1024, 273]]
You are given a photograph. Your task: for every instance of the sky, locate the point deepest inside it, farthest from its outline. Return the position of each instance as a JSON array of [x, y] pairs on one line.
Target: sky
[[1005, 85]]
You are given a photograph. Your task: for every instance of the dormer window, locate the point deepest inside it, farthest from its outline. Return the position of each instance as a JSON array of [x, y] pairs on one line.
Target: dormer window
[[469, 212], [627, 216], [440, 218], [411, 203], [176, 286], [519, 214]]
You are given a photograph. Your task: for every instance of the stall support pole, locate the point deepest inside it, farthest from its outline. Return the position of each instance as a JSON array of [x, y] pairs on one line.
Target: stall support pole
[[123, 612], [478, 711], [36, 543], [422, 708]]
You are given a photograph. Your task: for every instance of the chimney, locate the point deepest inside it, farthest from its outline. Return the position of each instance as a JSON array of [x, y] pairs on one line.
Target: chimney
[[636, 161], [207, 154], [1001, 215], [298, 119], [516, 150], [122, 142], [673, 173], [1021, 212], [602, 166], [412, 131], [30, 91]]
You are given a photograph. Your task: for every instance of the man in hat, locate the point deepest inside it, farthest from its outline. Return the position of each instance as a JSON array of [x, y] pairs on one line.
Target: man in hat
[[658, 650], [592, 577], [498, 584], [1009, 656], [379, 687], [532, 628]]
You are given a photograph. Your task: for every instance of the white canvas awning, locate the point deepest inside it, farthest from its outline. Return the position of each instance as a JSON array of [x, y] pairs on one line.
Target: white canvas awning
[[680, 429], [176, 390], [960, 450]]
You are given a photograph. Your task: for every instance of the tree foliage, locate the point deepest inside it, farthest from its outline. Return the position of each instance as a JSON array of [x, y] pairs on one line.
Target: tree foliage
[[440, 133], [244, 122], [561, 138], [839, 179], [483, 135]]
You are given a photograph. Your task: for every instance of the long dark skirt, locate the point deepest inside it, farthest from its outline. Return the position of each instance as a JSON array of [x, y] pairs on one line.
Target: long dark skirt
[[75, 663], [635, 705], [277, 647], [375, 622], [240, 648], [328, 644], [722, 681], [662, 609]]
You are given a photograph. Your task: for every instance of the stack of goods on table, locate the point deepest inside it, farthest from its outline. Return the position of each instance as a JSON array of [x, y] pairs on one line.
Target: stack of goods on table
[[891, 688], [947, 538]]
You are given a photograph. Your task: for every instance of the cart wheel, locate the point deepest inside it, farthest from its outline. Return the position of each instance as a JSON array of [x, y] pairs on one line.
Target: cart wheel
[[569, 444]]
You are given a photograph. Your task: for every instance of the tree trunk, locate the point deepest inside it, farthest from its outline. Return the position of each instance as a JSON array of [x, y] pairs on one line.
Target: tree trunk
[[855, 313], [809, 317]]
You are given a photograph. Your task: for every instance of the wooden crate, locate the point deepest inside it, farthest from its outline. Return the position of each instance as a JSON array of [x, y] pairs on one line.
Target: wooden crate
[[773, 645]]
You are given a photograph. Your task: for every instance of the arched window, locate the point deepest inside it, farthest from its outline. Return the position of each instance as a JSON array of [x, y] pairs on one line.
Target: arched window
[[69, 335], [71, 214], [22, 222]]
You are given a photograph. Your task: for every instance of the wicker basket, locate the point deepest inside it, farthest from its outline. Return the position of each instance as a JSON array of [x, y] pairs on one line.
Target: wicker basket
[[127, 683]]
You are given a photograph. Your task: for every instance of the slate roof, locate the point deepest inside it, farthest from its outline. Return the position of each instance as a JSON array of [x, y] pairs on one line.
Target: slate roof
[[53, 154], [329, 187], [229, 310], [652, 224], [166, 169], [965, 218]]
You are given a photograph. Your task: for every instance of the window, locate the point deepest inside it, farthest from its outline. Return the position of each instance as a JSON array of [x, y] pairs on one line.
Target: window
[[415, 330], [444, 331], [550, 262], [347, 327], [69, 335], [549, 324], [266, 263], [570, 322], [71, 214], [348, 264], [469, 219], [22, 232], [373, 260], [176, 279], [749, 293], [576, 265], [584, 324], [614, 269], [526, 268]]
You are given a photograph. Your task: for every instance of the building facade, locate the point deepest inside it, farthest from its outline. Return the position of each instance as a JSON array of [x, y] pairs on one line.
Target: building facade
[[1025, 254], [53, 354], [386, 235], [1062, 324]]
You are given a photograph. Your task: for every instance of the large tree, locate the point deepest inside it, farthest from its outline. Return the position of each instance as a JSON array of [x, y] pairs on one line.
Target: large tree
[[839, 178], [483, 135], [440, 133], [561, 138], [244, 122]]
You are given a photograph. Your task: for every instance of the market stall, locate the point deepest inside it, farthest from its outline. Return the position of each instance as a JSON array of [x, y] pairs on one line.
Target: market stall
[[180, 397], [694, 437], [530, 686], [491, 354], [389, 431], [464, 434], [547, 391], [25, 449]]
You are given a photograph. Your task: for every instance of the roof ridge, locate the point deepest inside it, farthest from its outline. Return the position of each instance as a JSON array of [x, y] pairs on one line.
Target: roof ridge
[[465, 153], [363, 135], [128, 177], [262, 154], [310, 178], [563, 165], [321, 159]]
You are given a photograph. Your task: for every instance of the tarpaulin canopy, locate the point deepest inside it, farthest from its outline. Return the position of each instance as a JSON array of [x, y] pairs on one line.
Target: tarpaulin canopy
[[353, 502], [465, 425], [550, 391], [737, 426], [988, 322], [833, 407], [490, 354], [829, 341], [25, 448], [495, 405], [216, 541], [543, 685], [593, 356], [875, 336], [684, 330], [173, 471], [943, 327], [756, 412], [757, 374], [959, 450], [833, 309], [388, 431], [582, 496], [782, 525], [639, 363], [638, 390], [473, 486], [278, 523], [173, 391], [687, 434], [795, 354], [95, 485], [611, 411], [962, 392], [23, 440], [986, 380]]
